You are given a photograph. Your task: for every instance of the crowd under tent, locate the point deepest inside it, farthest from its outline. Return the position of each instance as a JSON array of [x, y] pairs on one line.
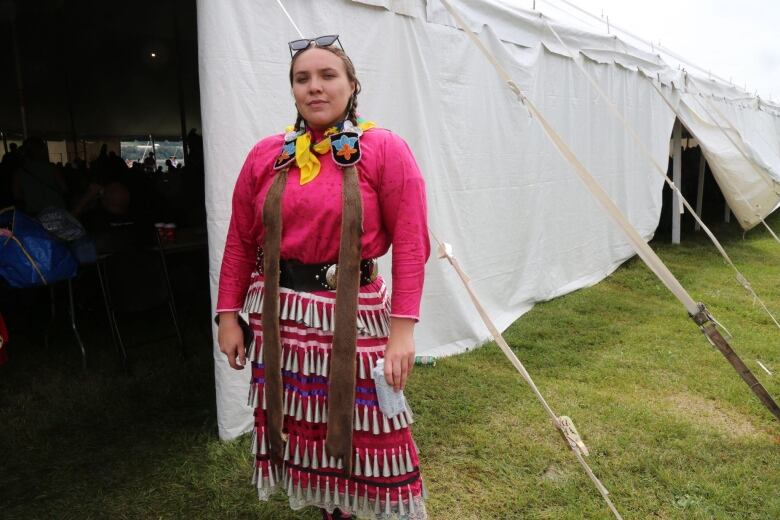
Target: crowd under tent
[[520, 223]]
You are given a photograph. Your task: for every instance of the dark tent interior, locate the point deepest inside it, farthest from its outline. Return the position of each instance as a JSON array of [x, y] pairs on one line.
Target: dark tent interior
[[91, 69], [107, 354], [81, 79]]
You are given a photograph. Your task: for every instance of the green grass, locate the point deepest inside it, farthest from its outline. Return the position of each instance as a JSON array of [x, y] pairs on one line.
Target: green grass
[[673, 431]]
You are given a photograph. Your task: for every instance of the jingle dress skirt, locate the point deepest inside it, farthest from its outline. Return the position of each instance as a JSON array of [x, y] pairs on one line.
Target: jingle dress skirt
[[385, 482]]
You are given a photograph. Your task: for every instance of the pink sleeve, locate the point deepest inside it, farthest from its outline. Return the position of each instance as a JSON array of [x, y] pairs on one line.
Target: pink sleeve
[[240, 255], [404, 215]]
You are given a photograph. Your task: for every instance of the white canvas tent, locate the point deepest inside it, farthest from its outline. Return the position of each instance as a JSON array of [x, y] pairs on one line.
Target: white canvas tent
[[740, 140], [521, 224]]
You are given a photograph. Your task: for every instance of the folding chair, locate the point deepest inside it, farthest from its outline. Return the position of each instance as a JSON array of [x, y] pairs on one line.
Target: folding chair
[[133, 281]]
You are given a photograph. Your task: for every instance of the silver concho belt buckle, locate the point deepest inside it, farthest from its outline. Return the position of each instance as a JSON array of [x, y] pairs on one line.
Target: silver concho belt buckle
[[327, 276]]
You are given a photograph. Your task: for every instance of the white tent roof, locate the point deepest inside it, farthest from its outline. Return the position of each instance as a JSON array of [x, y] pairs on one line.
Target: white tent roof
[[521, 224]]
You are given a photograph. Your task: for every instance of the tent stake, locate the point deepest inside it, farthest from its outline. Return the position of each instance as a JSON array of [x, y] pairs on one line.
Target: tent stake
[[708, 327]]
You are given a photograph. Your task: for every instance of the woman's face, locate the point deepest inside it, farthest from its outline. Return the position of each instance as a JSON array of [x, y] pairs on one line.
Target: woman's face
[[321, 87]]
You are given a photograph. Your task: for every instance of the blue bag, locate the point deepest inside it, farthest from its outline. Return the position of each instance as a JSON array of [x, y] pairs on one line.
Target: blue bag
[[29, 256]]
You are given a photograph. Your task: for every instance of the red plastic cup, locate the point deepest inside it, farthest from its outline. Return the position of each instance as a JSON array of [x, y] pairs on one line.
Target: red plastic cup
[[170, 232]]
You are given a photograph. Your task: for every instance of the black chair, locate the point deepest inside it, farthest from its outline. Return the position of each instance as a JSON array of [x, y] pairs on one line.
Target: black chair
[[134, 280], [71, 315]]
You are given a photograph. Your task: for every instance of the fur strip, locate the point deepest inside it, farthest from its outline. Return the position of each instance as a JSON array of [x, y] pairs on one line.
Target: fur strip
[[341, 389], [272, 346]]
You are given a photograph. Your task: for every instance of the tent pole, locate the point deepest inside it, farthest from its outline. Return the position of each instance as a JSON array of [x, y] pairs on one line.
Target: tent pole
[[677, 178], [5, 142], [663, 172], [154, 151], [179, 83], [773, 185], [726, 212], [69, 95], [700, 187], [66, 48], [18, 66]]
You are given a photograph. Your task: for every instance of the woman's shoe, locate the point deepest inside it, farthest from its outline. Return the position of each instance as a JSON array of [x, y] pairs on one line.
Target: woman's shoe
[[336, 515]]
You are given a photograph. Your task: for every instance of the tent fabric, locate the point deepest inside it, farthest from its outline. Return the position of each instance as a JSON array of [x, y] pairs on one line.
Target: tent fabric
[[521, 224], [742, 147]]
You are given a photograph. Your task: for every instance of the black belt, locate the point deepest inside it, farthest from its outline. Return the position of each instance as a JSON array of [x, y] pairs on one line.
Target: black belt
[[317, 277]]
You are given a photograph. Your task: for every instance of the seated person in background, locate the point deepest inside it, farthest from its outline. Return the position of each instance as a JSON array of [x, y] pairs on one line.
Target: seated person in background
[[113, 222], [37, 184]]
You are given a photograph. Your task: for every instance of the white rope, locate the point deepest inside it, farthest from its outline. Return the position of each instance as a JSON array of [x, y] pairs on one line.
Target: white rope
[[654, 46], [740, 148], [771, 183], [591, 25], [562, 423], [640, 246], [736, 188], [637, 242], [290, 18], [741, 278]]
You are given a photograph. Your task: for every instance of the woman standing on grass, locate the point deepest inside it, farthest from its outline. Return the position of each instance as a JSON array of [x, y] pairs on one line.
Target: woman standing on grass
[[312, 210]]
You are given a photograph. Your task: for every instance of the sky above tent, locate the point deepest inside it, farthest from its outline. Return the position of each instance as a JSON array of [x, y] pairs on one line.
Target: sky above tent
[[734, 40]]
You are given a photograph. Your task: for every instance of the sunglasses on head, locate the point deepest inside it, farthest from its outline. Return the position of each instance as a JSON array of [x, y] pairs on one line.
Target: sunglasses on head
[[320, 41]]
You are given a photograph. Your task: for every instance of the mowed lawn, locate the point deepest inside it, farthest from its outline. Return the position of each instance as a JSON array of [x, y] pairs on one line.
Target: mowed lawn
[[672, 430]]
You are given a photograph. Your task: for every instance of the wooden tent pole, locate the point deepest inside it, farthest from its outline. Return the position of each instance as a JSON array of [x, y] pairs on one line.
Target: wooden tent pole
[[700, 187], [677, 179]]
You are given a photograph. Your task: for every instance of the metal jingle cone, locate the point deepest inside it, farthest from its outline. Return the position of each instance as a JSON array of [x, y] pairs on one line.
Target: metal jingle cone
[[385, 465], [368, 471], [306, 455]]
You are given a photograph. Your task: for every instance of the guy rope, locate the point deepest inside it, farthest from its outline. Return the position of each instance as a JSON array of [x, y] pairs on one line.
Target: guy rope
[[741, 278], [697, 311]]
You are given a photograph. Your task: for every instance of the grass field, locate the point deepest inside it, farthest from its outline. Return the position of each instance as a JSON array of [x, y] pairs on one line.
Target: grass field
[[673, 431]]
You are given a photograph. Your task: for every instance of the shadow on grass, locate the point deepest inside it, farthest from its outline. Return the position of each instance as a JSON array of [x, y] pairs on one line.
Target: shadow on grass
[[104, 444]]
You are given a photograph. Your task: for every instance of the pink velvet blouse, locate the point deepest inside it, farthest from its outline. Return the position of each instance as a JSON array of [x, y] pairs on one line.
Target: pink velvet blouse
[[394, 213]]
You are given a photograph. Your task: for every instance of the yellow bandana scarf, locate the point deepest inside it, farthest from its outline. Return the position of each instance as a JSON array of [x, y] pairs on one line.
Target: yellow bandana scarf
[[307, 162]]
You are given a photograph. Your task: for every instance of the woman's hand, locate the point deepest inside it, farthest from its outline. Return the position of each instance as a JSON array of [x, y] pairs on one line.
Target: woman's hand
[[399, 354], [231, 340]]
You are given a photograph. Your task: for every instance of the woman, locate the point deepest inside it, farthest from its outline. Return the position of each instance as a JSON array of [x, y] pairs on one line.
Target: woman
[[313, 208]]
